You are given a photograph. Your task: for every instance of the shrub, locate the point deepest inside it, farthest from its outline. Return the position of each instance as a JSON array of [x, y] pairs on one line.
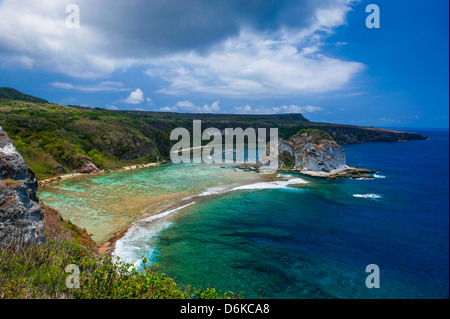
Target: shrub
[[39, 272]]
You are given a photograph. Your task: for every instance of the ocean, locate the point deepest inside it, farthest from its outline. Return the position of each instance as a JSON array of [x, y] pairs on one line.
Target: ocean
[[291, 236]]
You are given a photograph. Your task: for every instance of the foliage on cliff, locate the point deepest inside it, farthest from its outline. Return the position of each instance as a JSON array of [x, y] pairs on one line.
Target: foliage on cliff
[[316, 135], [39, 272], [54, 139], [13, 94]]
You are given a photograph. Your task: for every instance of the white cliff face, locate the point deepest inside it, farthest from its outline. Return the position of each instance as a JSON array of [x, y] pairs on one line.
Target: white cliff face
[[324, 157], [20, 213], [8, 149], [313, 151]]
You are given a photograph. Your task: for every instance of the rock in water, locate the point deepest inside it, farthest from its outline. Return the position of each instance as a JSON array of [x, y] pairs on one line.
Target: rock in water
[[88, 168], [312, 150], [21, 216]]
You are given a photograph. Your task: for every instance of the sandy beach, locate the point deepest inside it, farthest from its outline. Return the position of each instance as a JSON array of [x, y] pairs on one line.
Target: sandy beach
[[119, 207], [71, 175]]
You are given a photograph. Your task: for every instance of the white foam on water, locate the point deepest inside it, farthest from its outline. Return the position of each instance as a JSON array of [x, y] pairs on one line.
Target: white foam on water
[[378, 176], [372, 196], [215, 191], [285, 176], [272, 185], [158, 216], [263, 185], [141, 236]]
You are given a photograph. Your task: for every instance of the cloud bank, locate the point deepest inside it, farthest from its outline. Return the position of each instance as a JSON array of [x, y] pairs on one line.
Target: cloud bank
[[250, 49]]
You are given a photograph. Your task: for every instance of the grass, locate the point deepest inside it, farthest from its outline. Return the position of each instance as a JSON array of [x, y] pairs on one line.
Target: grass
[[54, 138], [316, 135], [39, 272]]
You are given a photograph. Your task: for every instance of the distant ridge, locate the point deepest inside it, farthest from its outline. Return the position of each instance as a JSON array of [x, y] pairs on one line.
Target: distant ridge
[[56, 139], [13, 94]]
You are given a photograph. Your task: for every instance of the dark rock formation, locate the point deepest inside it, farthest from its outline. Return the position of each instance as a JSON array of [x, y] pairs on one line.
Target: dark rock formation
[[20, 213], [59, 170]]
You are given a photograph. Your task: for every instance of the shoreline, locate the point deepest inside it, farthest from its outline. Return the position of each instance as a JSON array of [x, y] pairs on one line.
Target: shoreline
[[108, 247], [345, 172], [43, 182]]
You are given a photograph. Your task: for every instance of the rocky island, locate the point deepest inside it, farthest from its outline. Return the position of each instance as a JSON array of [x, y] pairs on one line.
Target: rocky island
[[315, 153]]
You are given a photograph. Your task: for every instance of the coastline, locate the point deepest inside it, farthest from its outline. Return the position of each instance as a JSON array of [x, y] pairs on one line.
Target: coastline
[[109, 246], [105, 247], [346, 172], [58, 178]]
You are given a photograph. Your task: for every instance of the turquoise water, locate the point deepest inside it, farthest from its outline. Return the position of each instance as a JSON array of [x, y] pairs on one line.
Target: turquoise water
[[105, 203], [287, 236], [315, 241]]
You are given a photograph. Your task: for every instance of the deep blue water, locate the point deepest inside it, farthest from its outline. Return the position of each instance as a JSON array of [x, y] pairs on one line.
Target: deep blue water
[[315, 241]]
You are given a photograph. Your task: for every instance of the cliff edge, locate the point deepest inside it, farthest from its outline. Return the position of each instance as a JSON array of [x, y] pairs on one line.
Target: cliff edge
[[21, 216], [315, 153]]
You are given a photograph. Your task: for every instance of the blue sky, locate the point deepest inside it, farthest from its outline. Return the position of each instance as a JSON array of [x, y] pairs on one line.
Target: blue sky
[[314, 57]]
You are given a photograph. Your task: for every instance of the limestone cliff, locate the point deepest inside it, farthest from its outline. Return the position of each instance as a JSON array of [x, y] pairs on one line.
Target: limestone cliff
[[314, 152], [21, 216], [311, 150]]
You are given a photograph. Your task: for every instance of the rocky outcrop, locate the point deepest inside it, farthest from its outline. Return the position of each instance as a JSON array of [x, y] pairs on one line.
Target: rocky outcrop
[[88, 168], [21, 216], [311, 150], [315, 153]]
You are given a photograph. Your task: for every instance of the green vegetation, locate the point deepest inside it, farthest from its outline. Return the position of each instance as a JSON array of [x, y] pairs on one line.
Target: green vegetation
[[286, 160], [13, 94], [316, 135], [39, 272], [54, 139]]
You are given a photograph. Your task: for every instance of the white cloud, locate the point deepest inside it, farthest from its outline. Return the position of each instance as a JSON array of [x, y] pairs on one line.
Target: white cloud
[[168, 109], [284, 109], [104, 86], [217, 55], [135, 97], [188, 106], [34, 35], [254, 65], [296, 109], [243, 109]]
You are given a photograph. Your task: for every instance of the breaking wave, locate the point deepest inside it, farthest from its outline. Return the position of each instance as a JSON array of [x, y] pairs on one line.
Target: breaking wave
[[372, 196]]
